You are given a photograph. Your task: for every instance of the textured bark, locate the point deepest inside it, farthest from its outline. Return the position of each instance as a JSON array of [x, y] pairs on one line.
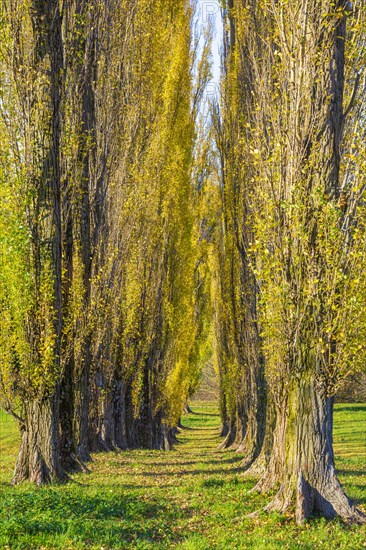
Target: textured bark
[[308, 477], [239, 430], [39, 456], [252, 443], [269, 463], [111, 433], [256, 409], [85, 76], [38, 460], [225, 426], [81, 414], [119, 403], [68, 454]]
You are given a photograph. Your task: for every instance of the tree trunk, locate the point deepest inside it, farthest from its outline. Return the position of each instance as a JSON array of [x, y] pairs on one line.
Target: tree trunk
[[120, 414], [240, 428], [308, 476], [253, 441], [86, 74], [39, 456], [268, 464], [230, 436], [68, 454], [81, 414]]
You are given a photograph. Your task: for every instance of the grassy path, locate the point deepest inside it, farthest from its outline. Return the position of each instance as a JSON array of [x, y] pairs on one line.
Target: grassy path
[[193, 497]]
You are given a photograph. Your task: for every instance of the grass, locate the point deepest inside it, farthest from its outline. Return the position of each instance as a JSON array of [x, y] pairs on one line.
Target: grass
[[192, 498]]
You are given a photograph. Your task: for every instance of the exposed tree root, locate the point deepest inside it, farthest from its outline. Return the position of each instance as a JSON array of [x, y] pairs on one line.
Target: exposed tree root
[[328, 500]]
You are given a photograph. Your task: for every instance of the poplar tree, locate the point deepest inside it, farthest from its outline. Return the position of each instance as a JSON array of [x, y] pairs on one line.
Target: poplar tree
[[32, 84], [295, 72]]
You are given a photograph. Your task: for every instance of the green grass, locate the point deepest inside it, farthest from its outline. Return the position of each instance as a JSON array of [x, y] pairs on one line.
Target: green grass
[[193, 497]]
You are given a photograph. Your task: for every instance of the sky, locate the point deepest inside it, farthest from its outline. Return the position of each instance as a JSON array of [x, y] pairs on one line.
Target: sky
[[210, 13]]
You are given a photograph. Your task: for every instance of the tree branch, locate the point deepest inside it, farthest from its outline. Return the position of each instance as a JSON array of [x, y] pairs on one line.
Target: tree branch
[[354, 94]]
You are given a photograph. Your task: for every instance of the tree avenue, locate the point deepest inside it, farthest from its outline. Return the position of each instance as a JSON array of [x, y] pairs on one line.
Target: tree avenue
[[138, 243]]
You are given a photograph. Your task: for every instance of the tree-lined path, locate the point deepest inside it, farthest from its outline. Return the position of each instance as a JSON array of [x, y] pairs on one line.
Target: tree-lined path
[[157, 227], [193, 497]]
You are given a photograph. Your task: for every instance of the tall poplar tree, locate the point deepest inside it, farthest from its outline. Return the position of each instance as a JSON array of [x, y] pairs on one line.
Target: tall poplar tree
[[296, 75], [32, 83]]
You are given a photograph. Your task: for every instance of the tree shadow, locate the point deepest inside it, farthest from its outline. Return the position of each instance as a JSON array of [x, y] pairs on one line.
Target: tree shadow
[[209, 460], [204, 414], [351, 473], [49, 512], [352, 408], [195, 472]]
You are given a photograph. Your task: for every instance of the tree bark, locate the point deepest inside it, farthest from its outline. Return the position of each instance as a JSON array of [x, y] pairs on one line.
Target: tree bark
[[120, 414], [254, 436], [230, 433], [308, 477], [39, 456], [38, 460], [85, 75]]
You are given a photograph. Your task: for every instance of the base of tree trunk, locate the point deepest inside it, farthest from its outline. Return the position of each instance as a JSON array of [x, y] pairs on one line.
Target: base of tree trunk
[[72, 464], [224, 430], [255, 469], [187, 409], [229, 438], [329, 501], [39, 455], [302, 460]]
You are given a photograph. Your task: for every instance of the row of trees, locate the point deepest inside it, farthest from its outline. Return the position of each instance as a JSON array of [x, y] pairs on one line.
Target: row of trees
[[116, 227], [290, 296], [100, 274]]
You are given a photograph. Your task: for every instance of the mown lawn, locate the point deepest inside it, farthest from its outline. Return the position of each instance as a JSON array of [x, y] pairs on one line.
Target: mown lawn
[[193, 497]]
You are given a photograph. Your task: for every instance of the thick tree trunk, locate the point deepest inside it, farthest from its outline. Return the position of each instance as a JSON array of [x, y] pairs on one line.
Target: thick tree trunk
[[85, 76], [39, 456], [69, 459], [107, 426], [68, 454], [240, 429], [308, 476], [251, 444], [225, 426], [269, 463], [113, 433]]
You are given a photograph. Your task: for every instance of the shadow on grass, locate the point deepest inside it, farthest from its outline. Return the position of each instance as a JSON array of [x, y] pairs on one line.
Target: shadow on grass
[[193, 472], [203, 414], [233, 460], [351, 408], [95, 518], [351, 473]]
